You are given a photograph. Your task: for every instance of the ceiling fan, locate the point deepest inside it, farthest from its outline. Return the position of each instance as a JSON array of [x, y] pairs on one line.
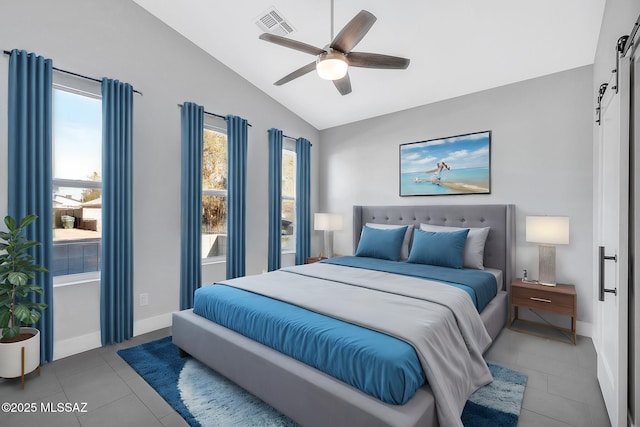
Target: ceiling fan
[[333, 61]]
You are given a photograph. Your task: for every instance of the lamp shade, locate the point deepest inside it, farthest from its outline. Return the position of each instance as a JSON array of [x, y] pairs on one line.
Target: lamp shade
[[327, 221], [552, 230]]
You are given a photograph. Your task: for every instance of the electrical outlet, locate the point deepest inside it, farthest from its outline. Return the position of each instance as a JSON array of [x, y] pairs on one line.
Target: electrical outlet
[[144, 299]]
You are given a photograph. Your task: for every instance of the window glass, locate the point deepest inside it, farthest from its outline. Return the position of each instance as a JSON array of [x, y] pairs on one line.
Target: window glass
[[214, 194], [288, 200], [77, 182]]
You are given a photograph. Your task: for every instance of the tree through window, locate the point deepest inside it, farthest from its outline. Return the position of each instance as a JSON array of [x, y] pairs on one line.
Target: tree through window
[[214, 194]]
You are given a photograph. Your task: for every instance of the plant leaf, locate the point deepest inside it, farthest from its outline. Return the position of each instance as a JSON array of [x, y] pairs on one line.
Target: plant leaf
[[27, 303], [22, 313], [10, 223], [17, 278], [34, 316], [27, 244], [5, 317], [11, 332], [28, 220]]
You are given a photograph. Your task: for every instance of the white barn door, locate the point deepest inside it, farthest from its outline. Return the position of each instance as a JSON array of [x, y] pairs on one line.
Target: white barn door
[[611, 214]]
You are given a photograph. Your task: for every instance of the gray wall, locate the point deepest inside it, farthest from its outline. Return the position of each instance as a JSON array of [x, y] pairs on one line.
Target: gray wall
[[541, 160], [120, 40]]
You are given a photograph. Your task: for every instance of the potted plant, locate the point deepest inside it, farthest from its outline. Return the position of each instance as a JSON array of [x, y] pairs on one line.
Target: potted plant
[[19, 344]]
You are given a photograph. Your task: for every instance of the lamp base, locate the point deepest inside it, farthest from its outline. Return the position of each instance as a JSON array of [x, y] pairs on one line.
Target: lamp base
[[547, 265], [328, 243]]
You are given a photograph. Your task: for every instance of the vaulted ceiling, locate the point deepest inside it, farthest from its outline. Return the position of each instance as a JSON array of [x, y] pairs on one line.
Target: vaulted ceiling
[[456, 47]]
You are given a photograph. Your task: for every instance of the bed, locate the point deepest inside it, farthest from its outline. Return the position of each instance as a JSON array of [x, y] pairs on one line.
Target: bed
[[311, 397]]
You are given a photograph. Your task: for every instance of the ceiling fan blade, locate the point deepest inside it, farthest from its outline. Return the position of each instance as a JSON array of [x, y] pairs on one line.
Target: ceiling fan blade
[[297, 73], [353, 32], [343, 85], [291, 44], [375, 60]]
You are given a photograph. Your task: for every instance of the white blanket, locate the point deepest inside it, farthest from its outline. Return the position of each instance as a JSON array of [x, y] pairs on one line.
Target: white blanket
[[438, 320]]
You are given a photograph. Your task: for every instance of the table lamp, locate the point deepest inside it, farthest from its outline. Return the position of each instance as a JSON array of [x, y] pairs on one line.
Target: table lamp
[[328, 223], [548, 231]]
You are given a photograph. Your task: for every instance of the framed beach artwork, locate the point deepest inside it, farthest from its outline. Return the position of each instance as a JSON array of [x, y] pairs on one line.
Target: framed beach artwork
[[454, 165]]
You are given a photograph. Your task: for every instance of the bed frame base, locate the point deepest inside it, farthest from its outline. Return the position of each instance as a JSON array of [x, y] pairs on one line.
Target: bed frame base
[[304, 394]]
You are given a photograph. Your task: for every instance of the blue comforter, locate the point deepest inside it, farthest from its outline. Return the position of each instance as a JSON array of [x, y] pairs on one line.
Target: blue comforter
[[382, 366], [480, 285], [379, 365]]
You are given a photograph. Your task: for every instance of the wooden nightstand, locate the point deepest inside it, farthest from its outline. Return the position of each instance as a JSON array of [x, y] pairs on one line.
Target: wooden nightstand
[[312, 259], [559, 299]]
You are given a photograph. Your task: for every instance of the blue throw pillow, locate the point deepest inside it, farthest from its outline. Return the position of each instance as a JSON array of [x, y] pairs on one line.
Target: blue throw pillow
[[379, 243], [445, 249]]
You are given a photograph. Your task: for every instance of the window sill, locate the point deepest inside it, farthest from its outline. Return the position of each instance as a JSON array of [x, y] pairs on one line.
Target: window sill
[[214, 260], [76, 279], [288, 252]]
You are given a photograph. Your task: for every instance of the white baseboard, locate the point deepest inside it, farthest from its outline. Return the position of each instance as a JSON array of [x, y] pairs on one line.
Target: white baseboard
[[82, 343], [584, 328], [75, 345], [151, 324]]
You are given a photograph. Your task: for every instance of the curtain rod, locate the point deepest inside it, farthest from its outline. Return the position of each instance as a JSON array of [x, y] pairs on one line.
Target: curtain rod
[[295, 139], [292, 138], [6, 52], [216, 115]]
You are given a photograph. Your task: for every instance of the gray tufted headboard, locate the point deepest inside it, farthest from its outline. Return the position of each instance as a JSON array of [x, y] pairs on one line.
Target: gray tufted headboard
[[500, 247]]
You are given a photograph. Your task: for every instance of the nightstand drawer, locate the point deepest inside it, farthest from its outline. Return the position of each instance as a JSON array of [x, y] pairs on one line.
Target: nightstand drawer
[[560, 299], [546, 301]]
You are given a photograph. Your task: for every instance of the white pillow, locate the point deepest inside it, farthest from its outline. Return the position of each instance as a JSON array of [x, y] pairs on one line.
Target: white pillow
[[404, 251], [473, 248]]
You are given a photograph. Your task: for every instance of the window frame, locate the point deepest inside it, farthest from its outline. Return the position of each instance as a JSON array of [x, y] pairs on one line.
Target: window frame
[[219, 193], [78, 87], [288, 145]]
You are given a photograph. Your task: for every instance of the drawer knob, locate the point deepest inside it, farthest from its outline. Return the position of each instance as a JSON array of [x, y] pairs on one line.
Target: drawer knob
[[540, 299]]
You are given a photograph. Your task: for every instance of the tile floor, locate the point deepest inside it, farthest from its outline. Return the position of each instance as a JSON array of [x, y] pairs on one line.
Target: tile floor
[[562, 389]]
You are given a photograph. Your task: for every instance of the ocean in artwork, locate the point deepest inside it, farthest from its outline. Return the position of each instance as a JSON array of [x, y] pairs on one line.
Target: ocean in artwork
[[454, 181]]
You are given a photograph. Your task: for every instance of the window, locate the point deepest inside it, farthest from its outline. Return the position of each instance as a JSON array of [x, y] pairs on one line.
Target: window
[[288, 197], [77, 181], [214, 194]]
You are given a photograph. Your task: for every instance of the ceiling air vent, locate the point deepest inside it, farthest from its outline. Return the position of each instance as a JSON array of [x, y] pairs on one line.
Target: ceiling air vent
[[272, 21]]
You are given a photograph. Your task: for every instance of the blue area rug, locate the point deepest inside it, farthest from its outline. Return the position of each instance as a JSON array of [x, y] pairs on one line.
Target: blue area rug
[[204, 398]]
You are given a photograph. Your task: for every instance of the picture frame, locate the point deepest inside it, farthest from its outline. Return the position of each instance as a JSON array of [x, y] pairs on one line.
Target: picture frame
[[454, 165]]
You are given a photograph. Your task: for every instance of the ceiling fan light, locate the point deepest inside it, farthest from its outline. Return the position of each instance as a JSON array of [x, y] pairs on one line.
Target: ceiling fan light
[[331, 66]]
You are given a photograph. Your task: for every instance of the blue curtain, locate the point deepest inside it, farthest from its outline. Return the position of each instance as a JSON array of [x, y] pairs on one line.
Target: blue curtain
[[303, 200], [116, 292], [275, 198], [191, 197], [237, 135], [30, 171]]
